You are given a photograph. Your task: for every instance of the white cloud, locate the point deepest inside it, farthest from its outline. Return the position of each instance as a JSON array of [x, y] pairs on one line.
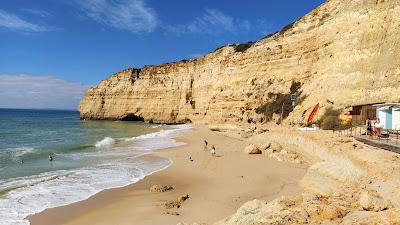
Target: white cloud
[[214, 22], [14, 22], [29, 91], [131, 15]]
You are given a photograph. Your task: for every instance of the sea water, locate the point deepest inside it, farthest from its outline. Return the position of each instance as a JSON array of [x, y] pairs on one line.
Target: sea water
[[88, 156]]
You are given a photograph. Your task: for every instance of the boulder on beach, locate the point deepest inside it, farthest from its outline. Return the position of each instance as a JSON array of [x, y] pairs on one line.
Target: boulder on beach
[[275, 147], [252, 149]]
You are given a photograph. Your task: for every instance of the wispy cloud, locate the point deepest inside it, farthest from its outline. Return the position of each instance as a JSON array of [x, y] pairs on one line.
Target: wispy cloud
[[131, 15], [215, 22], [29, 91], [14, 22]]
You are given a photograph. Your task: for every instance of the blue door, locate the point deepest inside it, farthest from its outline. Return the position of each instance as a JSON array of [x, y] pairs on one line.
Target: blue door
[[389, 119]]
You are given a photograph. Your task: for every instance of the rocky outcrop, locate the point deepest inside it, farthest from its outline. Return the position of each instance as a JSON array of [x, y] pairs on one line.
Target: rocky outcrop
[[346, 183], [342, 53]]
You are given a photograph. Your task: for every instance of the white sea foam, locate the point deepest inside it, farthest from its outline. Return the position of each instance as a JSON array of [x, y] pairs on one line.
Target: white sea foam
[[106, 142], [33, 194], [16, 153]]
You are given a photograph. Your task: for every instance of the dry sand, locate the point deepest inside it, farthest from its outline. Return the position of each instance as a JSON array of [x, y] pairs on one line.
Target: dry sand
[[217, 187]]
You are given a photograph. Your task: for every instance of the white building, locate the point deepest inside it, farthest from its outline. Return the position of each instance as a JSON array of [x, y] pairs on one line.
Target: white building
[[389, 115]]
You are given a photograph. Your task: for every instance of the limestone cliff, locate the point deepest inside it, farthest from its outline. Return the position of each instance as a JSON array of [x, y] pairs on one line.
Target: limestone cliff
[[342, 53]]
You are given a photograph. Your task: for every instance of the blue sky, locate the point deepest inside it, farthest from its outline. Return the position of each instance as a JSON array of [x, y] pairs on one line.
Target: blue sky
[[76, 43]]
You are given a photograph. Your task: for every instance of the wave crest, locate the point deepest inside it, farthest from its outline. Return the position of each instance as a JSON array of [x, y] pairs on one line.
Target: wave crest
[[107, 141]]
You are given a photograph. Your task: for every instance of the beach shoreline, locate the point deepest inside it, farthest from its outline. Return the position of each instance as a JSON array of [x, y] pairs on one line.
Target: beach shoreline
[[217, 186]]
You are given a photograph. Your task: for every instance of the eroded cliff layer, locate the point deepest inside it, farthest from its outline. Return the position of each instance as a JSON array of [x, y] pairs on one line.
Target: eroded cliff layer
[[342, 53]]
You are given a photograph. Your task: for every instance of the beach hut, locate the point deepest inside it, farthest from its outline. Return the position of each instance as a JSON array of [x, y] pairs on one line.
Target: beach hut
[[360, 113], [389, 115]]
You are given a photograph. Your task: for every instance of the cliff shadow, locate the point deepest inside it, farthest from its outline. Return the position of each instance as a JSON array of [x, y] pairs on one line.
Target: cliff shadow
[[132, 117], [279, 100]]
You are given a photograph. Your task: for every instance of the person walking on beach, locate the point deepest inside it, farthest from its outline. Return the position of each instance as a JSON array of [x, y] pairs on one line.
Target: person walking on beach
[[205, 145], [213, 153]]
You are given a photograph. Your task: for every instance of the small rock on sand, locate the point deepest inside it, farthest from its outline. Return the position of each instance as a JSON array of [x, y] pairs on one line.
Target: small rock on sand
[[175, 203], [160, 188], [252, 149]]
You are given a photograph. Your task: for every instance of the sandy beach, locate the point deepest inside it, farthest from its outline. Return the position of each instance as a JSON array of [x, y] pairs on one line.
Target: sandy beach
[[217, 187]]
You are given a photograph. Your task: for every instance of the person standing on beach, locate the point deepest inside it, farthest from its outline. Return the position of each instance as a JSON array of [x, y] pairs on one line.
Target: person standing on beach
[[205, 145], [368, 123], [213, 153], [378, 127]]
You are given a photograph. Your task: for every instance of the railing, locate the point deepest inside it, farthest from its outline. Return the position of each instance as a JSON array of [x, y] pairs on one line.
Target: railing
[[388, 135]]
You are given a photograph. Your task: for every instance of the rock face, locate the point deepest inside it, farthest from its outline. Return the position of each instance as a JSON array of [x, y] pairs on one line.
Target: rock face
[[342, 53]]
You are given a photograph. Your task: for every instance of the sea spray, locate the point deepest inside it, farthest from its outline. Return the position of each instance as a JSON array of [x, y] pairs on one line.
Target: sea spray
[[106, 142]]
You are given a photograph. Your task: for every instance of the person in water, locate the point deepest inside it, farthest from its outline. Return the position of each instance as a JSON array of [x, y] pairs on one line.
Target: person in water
[[50, 158]]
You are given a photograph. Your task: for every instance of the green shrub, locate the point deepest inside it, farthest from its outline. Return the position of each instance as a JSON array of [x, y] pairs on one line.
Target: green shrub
[[330, 123], [289, 26], [269, 35], [330, 120], [277, 100], [223, 46], [243, 47]]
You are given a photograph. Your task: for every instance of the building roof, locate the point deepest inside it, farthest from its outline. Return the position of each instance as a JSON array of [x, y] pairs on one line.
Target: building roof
[[368, 104], [387, 105]]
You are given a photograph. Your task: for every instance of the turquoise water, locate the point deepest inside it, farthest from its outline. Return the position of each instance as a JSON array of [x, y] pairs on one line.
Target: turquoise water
[[89, 156], [29, 136]]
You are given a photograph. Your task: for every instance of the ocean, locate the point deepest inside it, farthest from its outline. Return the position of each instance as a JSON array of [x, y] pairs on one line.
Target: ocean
[[88, 157]]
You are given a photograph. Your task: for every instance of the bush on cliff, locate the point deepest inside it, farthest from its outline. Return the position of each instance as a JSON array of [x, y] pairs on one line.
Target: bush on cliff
[[289, 26], [243, 47], [270, 35], [276, 101], [330, 119]]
